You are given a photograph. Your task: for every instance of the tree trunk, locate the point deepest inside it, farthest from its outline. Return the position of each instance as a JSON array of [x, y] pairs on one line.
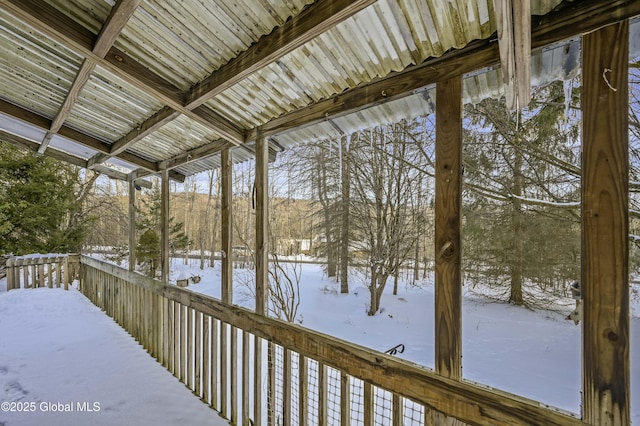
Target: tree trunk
[[517, 254], [344, 229], [376, 288]]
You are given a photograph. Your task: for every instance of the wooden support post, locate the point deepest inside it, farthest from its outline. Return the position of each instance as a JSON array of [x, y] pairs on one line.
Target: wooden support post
[[605, 226], [303, 390], [448, 286], [345, 399], [396, 410], [233, 375], [190, 354], [226, 179], [257, 380], [322, 394], [68, 277], [206, 356], [262, 224], [197, 387], [271, 385], [164, 227], [11, 275], [224, 369], [132, 225], [286, 387], [262, 275], [215, 345], [367, 399], [246, 377]]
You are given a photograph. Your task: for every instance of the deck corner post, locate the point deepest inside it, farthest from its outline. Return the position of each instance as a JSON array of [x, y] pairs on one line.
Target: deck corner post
[[605, 226]]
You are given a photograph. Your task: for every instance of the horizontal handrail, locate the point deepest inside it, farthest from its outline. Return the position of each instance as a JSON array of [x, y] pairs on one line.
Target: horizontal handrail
[[41, 270], [463, 400]]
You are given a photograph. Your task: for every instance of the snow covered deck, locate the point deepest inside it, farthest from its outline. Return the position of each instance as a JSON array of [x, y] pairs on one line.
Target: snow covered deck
[[64, 362]]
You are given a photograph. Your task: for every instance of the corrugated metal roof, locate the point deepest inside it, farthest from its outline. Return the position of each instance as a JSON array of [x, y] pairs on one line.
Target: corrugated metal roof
[[166, 49]]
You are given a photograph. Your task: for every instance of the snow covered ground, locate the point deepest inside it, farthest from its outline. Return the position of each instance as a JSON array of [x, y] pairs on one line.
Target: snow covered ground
[[64, 362], [535, 354], [57, 347]]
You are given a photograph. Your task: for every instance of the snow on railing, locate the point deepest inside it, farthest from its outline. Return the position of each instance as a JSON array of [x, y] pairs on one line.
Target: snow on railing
[[41, 270], [256, 370]]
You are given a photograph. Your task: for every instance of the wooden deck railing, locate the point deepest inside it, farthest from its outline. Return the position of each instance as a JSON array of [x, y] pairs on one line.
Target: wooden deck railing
[[41, 270], [231, 357]]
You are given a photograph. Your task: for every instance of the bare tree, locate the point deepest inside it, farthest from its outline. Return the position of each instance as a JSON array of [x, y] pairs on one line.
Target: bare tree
[[382, 180]]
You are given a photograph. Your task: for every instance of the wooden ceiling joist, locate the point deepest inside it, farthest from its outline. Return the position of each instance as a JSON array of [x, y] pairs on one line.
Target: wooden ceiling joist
[[118, 18], [68, 158], [203, 151], [581, 17], [71, 34], [43, 123], [314, 20]]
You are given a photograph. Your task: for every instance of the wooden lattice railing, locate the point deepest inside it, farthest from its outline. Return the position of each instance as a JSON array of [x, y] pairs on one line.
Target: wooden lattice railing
[[41, 270], [230, 357]]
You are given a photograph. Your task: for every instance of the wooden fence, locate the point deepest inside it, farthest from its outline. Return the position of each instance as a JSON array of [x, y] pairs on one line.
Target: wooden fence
[[231, 357], [45, 270]]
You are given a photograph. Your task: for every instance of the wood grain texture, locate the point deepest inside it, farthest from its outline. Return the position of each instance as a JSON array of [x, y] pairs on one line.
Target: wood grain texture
[[74, 36], [448, 193], [226, 179], [579, 17], [262, 225], [132, 225], [314, 20], [164, 226], [605, 226], [473, 404]]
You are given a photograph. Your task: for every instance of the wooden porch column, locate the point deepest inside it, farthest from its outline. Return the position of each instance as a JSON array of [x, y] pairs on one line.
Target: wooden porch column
[[448, 286], [605, 226], [164, 226], [262, 224], [262, 277], [227, 227], [132, 224], [228, 363]]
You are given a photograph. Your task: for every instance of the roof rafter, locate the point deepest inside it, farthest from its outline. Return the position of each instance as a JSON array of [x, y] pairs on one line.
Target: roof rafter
[[73, 135], [314, 20], [578, 17], [69, 33], [67, 158], [120, 14], [197, 153]]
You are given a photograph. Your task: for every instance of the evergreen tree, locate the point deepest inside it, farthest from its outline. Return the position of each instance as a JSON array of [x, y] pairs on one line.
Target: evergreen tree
[[522, 177], [148, 249], [41, 204]]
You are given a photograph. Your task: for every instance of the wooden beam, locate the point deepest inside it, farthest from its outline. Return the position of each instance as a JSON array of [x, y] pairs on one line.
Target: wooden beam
[[46, 19], [314, 20], [226, 177], [159, 119], [262, 225], [576, 18], [118, 18], [116, 174], [120, 15], [605, 226], [68, 158], [448, 241], [164, 227], [152, 124], [30, 145], [72, 134], [132, 225], [200, 152]]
